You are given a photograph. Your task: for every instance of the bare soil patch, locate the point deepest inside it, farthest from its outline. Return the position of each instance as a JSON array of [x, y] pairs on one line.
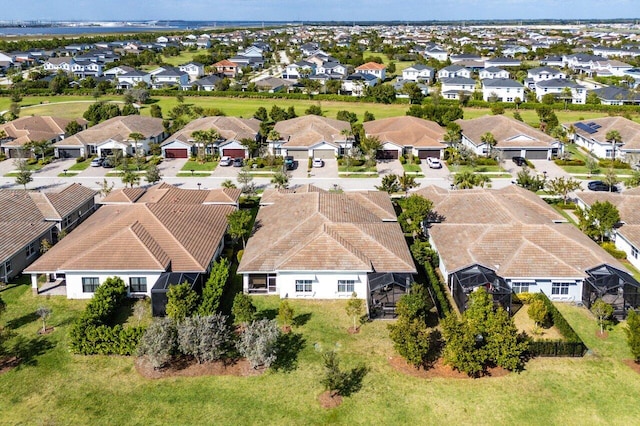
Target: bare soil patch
[[8, 364], [47, 330], [353, 330], [329, 400], [439, 369], [602, 335], [189, 367], [635, 366]]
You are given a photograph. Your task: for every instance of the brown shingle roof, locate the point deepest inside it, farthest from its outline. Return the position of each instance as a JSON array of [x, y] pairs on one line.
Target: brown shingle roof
[[310, 130], [270, 195], [70, 198], [324, 231], [371, 66], [508, 132], [407, 131]]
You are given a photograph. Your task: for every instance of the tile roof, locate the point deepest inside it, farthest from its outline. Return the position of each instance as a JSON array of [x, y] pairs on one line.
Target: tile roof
[[627, 202], [371, 66], [116, 128], [309, 130], [36, 128], [229, 128], [509, 133], [271, 195], [164, 193], [629, 131], [407, 131], [322, 231]]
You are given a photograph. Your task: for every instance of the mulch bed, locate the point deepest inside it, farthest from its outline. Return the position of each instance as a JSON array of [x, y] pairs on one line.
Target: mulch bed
[[635, 366], [352, 330], [439, 369], [8, 364], [48, 330], [602, 335], [189, 367], [327, 400]]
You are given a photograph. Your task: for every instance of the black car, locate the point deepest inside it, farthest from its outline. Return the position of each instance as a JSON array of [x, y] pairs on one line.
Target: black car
[[289, 163], [598, 185], [238, 162], [520, 161]]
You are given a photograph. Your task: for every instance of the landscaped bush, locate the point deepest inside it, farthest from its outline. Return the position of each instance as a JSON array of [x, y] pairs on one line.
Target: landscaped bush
[[92, 334], [610, 248], [259, 342], [571, 162], [402, 159], [616, 164], [160, 342], [633, 334], [205, 338]]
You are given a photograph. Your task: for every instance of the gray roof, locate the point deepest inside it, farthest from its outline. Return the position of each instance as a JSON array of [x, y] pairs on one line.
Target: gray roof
[[494, 69], [559, 82], [540, 70], [501, 82], [612, 93], [458, 80]]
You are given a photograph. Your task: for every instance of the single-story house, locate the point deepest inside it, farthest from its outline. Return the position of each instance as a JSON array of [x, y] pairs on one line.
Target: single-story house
[[510, 241], [357, 83], [163, 230], [311, 136], [407, 135], [502, 89], [232, 130], [169, 76], [592, 135], [338, 244], [502, 62], [615, 95], [112, 134], [30, 217], [24, 130], [513, 138]]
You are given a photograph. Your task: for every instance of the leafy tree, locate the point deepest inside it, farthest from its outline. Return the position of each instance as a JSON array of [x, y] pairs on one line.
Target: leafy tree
[[280, 180], [285, 313], [414, 92], [155, 111], [44, 313], [529, 181], [600, 219], [538, 312], [72, 128], [337, 381], [181, 301], [239, 222], [562, 186], [131, 178], [45, 246], [59, 83], [389, 184], [243, 309], [100, 111], [205, 338], [24, 175], [153, 175], [415, 211], [105, 187], [214, 287], [634, 180], [412, 340], [368, 116], [245, 179], [382, 93], [632, 331], [348, 116], [548, 118], [291, 112], [278, 114], [603, 312], [504, 345], [355, 309], [314, 110], [415, 304], [591, 164], [407, 182], [468, 179], [461, 348], [259, 342], [160, 342]]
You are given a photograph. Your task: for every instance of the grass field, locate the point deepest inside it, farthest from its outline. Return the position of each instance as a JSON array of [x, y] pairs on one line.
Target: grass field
[[56, 387], [199, 167]]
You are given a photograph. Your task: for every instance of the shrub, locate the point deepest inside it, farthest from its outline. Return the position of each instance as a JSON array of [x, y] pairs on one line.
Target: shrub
[[538, 312], [616, 164], [402, 159], [633, 334], [412, 340], [422, 252], [437, 286], [205, 338], [259, 343], [339, 382], [243, 309], [525, 298], [354, 308], [181, 301], [571, 162], [285, 313], [416, 160], [214, 287], [603, 312], [159, 342], [415, 304], [610, 248]]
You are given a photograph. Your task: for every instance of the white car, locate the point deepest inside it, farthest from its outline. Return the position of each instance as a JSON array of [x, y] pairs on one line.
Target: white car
[[225, 161], [434, 163], [318, 162]]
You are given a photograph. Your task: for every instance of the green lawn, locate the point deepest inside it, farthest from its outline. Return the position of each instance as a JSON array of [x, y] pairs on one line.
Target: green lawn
[[183, 58], [412, 168], [83, 165], [56, 387], [199, 167], [357, 169], [195, 174]]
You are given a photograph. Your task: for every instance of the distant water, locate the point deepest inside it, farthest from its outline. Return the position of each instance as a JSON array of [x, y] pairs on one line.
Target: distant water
[[79, 28]]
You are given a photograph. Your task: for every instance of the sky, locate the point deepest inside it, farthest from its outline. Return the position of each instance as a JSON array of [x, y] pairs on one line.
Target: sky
[[316, 10]]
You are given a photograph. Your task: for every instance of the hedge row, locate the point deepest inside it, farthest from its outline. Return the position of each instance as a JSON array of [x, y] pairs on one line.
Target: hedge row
[[437, 290], [91, 333]]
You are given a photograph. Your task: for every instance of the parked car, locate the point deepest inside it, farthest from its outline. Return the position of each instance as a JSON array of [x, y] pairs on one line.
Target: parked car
[[226, 161], [107, 164], [318, 162], [434, 163], [238, 162], [97, 162], [520, 161], [598, 185], [289, 163]]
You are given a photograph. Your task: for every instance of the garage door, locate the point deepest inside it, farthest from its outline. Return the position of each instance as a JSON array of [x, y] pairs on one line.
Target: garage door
[[299, 155], [234, 153], [428, 153], [508, 155], [176, 153], [69, 152], [536, 154], [325, 154], [387, 154]]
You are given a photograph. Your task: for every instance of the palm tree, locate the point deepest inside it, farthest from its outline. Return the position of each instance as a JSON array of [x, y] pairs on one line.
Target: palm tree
[[280, 180], [467, 180], [406, 183], [614, 137], [139, 152], [204, 139], [490, 140]]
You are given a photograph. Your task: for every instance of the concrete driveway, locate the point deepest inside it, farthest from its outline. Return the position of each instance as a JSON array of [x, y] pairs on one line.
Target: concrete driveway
[[328, 171], [429, 173], [172, 166], [388, 167], [229, 172]]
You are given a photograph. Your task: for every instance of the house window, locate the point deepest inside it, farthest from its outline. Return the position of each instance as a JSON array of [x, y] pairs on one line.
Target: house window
[[7, 267], [303, 286], [66, 222], [31, 249], [520, 287], [346, 286], [560, 288], [138, 284], [90, 284], [634, 252], [509, 99]]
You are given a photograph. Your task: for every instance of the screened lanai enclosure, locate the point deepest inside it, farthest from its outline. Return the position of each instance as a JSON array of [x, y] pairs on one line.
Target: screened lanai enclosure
[[166, 280], [615, 287], [385, 289], [464, 281]]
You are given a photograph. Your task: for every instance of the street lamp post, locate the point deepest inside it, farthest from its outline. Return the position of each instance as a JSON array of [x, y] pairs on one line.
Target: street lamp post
[[199, 185]]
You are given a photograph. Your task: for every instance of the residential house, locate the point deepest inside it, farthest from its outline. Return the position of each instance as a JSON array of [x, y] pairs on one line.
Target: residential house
[[502, 90], [557, 87], [272, 84], [610, 67], [112, 134], [502, 62], [454, 71], [311, 136], [399, 84], [226, 68], [592, 136], [30, 217], [453, 87], [332, 69], [373, 68], [436, 52], [510, 241], [206, 84], [357, 83], [418, 72], [406, 135], [513, 138], [22, 131], [231, 131], [535, 75], [553, 61], [615, 95], [309, 48], [465, 57], [493, 72], [146, 237], [133, 79], [169, 76], [195, 70], [299, 69], [338, 245], [117, 71], [581, 62], [58, 64]]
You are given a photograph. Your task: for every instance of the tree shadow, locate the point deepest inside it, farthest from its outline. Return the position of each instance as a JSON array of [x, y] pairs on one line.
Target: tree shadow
[[20, 321], [301, 319], [353, 380], [266, 314], [289, 346], [26, 350], [437, 345]]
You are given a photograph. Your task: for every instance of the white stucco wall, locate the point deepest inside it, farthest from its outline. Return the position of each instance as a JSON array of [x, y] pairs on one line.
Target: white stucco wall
[[624, 245], [74, 281], [545, 285], [324, 285]]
